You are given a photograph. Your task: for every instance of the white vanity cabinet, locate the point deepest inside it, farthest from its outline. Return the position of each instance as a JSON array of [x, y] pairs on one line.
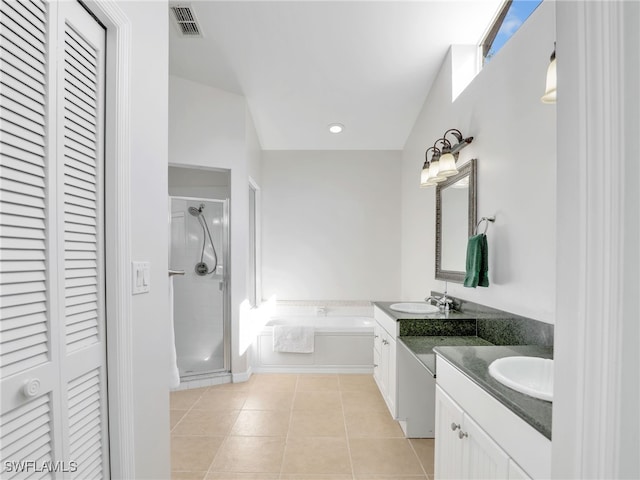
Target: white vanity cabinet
[[463, 449], [384, 358], [478, 437]]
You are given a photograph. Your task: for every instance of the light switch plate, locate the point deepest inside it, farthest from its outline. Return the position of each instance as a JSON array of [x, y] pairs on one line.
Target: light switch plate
[[140, 277]]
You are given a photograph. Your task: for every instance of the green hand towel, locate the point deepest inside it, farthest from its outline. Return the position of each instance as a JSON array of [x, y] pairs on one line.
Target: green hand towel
[[477, 262]]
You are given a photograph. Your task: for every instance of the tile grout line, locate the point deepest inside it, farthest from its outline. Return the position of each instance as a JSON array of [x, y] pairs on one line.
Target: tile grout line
[[224, 442], [286, 438], [346, 430], [424, 470], [178, 423]]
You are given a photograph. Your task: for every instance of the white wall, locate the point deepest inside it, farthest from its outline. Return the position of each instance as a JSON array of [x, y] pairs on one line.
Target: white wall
[[331, 229], [149, 321], [199, 183], [211, 128], [515, 144]]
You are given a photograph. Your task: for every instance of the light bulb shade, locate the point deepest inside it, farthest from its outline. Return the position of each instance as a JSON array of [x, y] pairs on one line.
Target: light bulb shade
[[424, 176], [550, 92], [447, 165], [434, 171]]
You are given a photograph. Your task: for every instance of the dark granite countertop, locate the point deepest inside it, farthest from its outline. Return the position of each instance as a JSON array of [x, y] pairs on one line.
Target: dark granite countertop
[[474, 362], [422, 347]]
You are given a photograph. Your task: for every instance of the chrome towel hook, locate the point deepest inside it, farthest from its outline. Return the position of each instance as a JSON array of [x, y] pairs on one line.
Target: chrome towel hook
[[486, 225]]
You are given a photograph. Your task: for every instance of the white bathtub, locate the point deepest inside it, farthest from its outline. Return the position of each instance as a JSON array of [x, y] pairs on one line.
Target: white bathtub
[[342, 345]]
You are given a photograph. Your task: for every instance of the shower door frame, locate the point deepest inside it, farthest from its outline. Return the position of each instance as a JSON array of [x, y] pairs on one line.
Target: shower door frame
[[226, 294]]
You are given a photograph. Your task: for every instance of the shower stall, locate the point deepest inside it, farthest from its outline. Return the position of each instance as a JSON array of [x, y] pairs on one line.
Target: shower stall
[[200, 248]]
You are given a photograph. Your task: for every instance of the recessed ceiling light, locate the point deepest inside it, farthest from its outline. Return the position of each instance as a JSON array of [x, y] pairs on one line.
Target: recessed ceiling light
[[336, 127]]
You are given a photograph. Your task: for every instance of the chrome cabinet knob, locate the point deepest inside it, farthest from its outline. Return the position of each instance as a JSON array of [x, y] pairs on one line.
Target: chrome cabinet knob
[[462, 434], [454, 426]]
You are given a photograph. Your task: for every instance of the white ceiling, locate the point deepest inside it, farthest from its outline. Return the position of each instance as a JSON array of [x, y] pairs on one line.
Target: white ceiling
[[305, 64]]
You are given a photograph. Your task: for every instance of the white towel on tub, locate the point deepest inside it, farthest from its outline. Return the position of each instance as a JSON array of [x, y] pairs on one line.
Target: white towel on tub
[[293, 339]]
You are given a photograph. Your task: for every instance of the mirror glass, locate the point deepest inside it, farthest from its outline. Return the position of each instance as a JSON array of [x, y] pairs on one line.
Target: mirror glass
[[455, 221]]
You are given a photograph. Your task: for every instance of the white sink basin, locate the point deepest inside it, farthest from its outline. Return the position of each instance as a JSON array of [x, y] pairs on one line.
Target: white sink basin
[[414, 307], [532, 376]]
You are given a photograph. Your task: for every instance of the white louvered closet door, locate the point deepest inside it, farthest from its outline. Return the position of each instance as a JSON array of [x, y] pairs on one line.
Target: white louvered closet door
[[52, 319]]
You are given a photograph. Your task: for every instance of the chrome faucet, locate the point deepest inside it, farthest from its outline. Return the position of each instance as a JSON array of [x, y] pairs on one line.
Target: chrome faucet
[[443, 302]]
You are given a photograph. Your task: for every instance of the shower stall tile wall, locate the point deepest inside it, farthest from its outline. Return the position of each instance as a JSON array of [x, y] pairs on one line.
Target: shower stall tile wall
[[199, 246]]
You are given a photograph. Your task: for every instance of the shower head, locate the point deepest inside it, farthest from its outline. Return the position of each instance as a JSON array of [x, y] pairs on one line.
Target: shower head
[[196, 211]]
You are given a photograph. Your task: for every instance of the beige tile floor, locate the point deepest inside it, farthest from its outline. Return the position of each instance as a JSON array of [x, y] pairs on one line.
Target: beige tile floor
[[292, 427]]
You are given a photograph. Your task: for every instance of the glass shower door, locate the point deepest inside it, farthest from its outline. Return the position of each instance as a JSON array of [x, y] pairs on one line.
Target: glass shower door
[[199, 245]]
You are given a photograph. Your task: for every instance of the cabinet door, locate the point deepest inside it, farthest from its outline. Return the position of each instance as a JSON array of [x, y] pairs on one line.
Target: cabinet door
[[384, 365], [481, 456], [392, 379], [448, 451]]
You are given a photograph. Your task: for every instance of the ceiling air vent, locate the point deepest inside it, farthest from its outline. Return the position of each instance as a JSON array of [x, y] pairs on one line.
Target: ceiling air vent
[[186, 21]]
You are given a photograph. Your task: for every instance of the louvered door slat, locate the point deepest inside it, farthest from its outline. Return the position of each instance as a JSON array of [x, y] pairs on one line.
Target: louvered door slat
[[18, 427], [85, 417], [10, 101], [77, 106], [80, 210], [24, 299], [10, 290], [85, 126], [12, 40], [9, 163], [13, 19], [81, 129], [28, 133], [24, 331], [36, 10], [78, 166], [21, 210], [81, 318], [21, 277], [16, 362], [32, 342], [31, 14], [80, 67], [23, 17], [82, 255], [82, 290], [19, 232], [12, 186], [20, 221], [28, 76], [80, 228], [22, 244], [23, 95], [17, 322]]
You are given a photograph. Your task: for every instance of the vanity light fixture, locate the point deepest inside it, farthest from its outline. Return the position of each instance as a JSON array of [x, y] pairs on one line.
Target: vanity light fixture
[[443, 161], [336, 127], [550, 93]]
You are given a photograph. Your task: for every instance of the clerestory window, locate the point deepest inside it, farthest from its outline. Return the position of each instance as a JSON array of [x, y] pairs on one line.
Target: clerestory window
[[510, 18]]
